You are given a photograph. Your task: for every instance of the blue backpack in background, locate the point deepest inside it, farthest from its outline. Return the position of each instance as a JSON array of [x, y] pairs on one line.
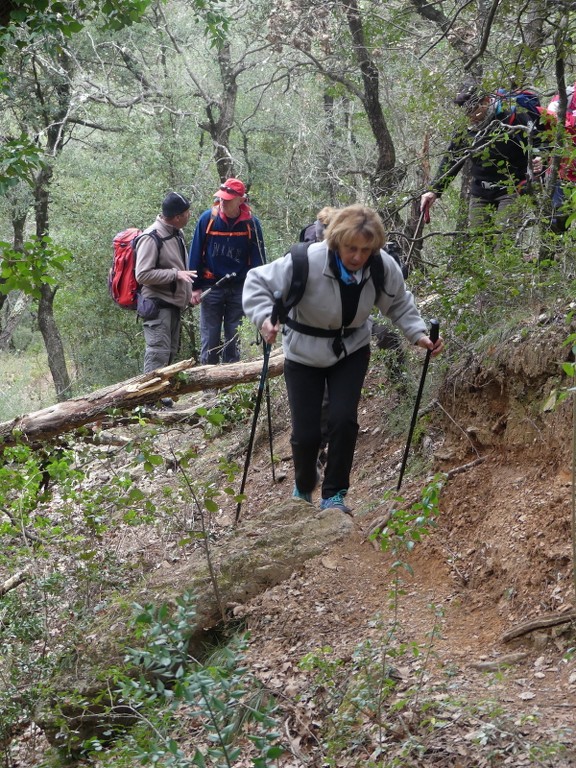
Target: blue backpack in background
[[518, 101]]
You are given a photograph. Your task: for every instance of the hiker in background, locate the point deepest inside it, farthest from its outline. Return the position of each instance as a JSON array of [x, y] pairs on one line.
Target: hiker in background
[[165, 279], [227, 241], [502, 129], [326, 339], [314, 233], [563, 189]]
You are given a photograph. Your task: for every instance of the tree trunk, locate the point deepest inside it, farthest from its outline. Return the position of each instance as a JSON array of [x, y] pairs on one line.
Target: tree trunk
[[53, 343], [176, 379], [328, 151], [221, 114], [386, 176], [20, 306], [46, 320]]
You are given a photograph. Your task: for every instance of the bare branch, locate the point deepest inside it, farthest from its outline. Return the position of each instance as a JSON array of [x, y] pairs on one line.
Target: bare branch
[[485, 35]]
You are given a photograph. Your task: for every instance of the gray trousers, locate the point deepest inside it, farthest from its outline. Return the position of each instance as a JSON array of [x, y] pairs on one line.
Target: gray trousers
[[502, 212], [162, 337]]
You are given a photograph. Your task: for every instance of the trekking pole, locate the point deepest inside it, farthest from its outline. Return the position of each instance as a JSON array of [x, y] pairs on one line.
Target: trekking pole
[[263, 375], [227, 276], [434, 333], [270, 438]]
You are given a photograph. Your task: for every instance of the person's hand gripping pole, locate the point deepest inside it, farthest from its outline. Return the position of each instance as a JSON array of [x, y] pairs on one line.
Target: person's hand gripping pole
[[271, 325], [199, 294]]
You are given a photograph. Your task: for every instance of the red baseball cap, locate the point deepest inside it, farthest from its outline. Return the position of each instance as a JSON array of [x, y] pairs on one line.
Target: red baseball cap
[[230, 189]]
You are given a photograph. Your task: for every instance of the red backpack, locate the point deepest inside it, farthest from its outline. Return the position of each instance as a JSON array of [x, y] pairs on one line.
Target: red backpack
[[122, 283]]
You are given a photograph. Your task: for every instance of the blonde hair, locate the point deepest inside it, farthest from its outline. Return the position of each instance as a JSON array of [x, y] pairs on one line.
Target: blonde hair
[[354, 220], [325, 214]]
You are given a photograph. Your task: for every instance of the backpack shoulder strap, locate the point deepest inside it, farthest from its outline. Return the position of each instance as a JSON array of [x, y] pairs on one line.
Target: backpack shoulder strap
[[213, 214], [378, 274], [300, 269], [157, 239]]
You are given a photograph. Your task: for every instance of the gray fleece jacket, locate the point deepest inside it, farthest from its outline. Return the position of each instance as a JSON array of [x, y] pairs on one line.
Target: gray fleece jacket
[[321, 306], [159, 275]]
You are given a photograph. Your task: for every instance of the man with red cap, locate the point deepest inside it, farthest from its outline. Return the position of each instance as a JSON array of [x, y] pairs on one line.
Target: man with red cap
[[227, 243]]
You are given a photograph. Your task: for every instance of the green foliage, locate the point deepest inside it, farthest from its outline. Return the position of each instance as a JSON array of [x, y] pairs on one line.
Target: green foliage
[[117, 14], [25, 664], [26, 480], [41, 16], [358, 700], [219, 705], [28, 269], [19, 159], [214, 15], [234, 406], [569, 368], [406, 527]]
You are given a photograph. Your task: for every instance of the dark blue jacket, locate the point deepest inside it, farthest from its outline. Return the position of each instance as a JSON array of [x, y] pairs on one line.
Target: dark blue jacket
[[219, 248]]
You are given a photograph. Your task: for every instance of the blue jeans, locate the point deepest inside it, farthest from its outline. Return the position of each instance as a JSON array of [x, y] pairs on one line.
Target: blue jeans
[[221, 308]]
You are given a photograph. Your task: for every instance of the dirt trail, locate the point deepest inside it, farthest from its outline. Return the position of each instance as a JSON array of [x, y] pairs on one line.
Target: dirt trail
[[500, 554]]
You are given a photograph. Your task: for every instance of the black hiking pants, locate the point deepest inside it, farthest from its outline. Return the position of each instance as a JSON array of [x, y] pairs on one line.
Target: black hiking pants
[[305, 385]]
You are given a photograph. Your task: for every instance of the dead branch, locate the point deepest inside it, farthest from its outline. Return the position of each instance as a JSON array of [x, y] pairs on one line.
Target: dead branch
[[177, 379], [13, 582], [464, 467], [540, 622]]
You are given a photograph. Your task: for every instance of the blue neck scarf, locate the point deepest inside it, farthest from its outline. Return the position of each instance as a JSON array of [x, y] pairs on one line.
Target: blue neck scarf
[[347, 277]]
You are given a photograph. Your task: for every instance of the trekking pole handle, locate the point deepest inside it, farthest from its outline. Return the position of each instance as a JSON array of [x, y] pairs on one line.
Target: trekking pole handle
[[276, 308], [434, 330], [227, 276]]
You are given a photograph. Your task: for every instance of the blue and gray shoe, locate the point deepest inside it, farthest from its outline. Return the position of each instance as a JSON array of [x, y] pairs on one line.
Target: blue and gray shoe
[[336, 502]]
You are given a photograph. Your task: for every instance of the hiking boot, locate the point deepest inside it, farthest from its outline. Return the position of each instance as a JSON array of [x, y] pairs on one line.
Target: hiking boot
[[296, 494], [336, 502]]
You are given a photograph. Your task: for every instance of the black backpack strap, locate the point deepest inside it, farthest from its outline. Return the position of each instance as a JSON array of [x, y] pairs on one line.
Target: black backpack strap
[[378, 274], [300, 269], [159, 242], [157, 239]]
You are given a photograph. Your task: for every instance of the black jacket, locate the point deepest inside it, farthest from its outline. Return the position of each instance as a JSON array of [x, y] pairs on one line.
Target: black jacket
[[499, 155]]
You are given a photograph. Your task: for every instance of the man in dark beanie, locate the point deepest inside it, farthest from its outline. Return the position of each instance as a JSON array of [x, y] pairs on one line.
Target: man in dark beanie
[[166, 283]]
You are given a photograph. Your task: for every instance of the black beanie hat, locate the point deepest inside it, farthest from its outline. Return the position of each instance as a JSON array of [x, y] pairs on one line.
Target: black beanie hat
[[174, 204]]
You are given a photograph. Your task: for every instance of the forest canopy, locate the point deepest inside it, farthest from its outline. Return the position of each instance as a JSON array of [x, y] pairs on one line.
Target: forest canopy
[[108, 105]]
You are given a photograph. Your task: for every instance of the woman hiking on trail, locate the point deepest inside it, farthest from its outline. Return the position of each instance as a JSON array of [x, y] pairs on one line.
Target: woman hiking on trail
[[326, 339]]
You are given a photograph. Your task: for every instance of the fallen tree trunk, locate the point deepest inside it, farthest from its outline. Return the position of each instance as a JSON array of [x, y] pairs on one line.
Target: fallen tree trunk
[[13, 582], [177, 379]]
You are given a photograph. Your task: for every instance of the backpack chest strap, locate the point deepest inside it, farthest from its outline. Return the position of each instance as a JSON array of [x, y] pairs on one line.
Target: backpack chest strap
[[325, 333]]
